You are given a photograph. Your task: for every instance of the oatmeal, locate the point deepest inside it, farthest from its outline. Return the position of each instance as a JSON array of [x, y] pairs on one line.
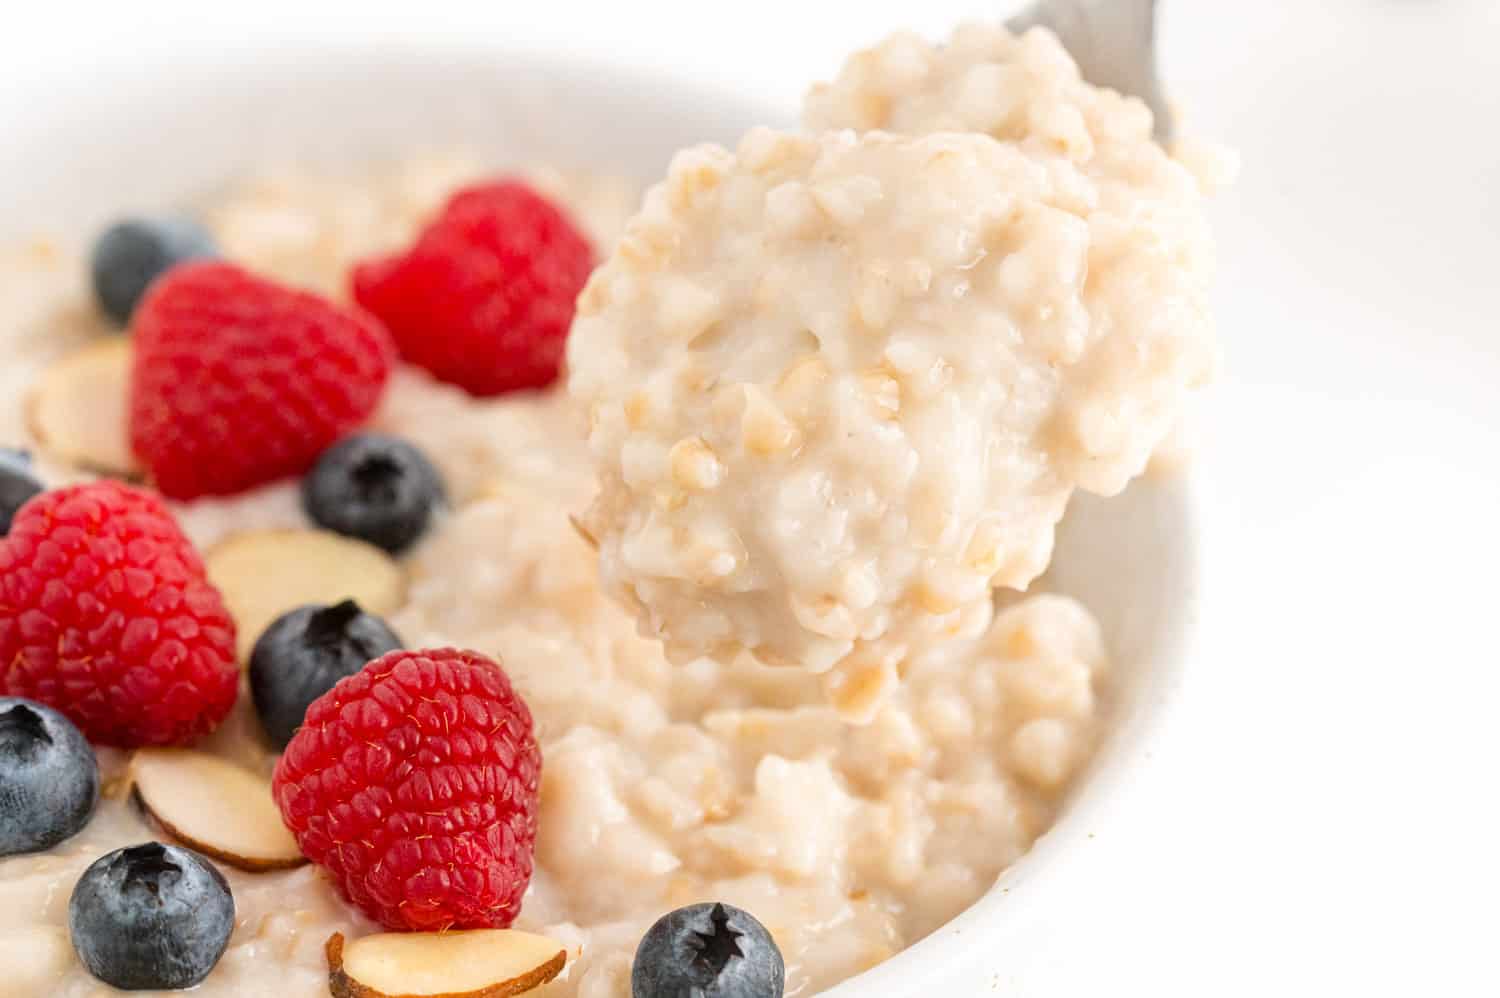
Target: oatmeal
[[841, 387], [1026, 89], [662, 785]]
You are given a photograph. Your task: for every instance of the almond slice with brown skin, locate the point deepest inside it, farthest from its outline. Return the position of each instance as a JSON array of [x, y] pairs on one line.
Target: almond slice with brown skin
[[485, 963], [264, 573], [78, 409], [215, 807]]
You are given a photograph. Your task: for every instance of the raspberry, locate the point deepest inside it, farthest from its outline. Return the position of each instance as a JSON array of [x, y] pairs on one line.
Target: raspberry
[[239, 381], [106, 615], [485, 297], [415, 783]]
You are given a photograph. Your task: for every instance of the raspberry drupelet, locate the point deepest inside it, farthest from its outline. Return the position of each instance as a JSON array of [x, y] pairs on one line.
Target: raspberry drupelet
[[415, 783]]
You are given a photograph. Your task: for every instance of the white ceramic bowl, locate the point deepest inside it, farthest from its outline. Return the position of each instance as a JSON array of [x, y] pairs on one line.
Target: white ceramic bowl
[[96, 148]]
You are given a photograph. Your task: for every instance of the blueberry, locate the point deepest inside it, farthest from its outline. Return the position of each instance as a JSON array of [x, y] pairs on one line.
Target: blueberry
[[707, 951], [49, 778], [303, 653], [17, 484], [151, 917], [133, 253], [375, 487]]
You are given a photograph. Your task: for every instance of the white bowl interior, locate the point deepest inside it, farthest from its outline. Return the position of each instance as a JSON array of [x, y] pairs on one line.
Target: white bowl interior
[[147, 141], [155, 138]]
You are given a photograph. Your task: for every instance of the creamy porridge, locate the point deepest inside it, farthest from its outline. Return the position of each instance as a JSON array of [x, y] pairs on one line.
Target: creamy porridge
[[842, 386], [663, 784]]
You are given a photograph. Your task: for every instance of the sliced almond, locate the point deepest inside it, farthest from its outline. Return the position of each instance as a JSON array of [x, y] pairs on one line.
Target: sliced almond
[[263, 574], [487, 963], [78, 409], [215, 807]]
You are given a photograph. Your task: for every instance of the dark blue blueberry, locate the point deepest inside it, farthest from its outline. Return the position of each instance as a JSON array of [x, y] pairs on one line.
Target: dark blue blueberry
[[707, 951], [303, 653], [133, 253], [17, 484], [151, 917], [375, 487], [49, 778]]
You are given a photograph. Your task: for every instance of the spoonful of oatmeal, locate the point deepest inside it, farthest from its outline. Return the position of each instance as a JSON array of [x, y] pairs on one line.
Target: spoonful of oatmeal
[[1114, 44], [842, 383]]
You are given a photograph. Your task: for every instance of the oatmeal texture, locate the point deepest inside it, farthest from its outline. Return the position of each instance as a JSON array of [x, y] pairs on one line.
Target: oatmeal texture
[[1026, 89], [662, 785], [842, 386]]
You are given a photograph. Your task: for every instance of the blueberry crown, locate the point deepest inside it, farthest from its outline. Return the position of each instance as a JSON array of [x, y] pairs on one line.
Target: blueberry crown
[[377, 478], [716, 947], [22, 728], [329, 626], [147, 868]]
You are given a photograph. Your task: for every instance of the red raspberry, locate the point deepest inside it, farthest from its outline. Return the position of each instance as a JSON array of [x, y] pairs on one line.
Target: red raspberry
[[106, 614], [485, 297], [414, 782], [239, 381]]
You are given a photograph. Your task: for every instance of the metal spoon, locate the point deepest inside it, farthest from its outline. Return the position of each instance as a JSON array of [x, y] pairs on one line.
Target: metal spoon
[[1114, 44]]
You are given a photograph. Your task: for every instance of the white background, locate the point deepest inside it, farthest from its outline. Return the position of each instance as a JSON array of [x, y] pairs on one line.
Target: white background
[[1320, 816]]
